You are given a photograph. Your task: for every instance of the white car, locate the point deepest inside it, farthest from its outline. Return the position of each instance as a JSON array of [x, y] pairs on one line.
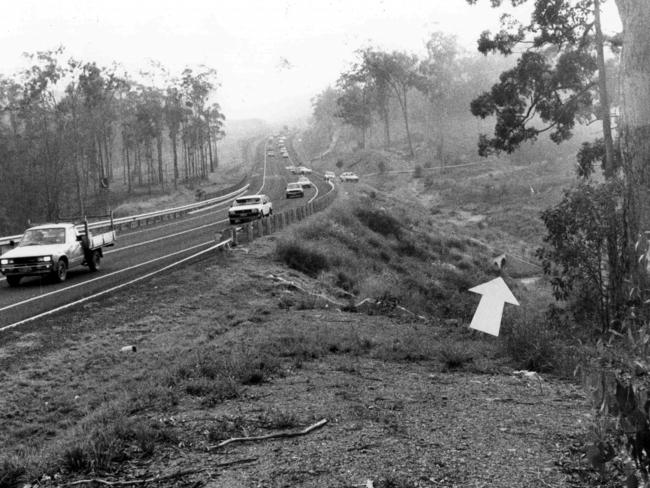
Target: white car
[[250, 207], [329, 175], [294, 189], [304, 182], [349, 176], [304, 170]]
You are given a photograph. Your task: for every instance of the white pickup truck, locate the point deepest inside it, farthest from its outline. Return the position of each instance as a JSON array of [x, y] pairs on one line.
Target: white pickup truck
[[250, 207], [52, 249]]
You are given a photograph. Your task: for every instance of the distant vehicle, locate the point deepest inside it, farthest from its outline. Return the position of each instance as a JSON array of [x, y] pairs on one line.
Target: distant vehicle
[[52, 249], [304, 182], [249, 207], [349, 176], [285, 155], [295, 170], [304, 170], [329, 175], [295, 189], [270, 153]]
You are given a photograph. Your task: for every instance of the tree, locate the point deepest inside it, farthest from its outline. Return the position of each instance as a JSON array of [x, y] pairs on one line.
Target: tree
[[376, 90], [634, 127], [399, 71], [354, 108], [441, 77], [558, 81]]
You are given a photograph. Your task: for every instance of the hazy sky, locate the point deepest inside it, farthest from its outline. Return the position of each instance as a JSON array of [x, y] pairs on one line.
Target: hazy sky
[[272, 56]]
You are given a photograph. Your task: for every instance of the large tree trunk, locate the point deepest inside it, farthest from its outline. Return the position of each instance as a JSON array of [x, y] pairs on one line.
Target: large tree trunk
[[634, 126]]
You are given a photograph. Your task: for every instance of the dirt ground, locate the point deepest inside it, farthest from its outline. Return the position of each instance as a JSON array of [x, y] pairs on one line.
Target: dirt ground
[[390, 422]]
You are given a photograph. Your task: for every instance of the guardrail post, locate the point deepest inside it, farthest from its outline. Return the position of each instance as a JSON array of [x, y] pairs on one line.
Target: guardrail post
[[249, 232], [233, 234]]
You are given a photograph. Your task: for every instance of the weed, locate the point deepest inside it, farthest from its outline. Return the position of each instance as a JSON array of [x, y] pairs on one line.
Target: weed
[[379, 221], [531, 343], [274, 419], [12, 474], [395, 481], [225, 428], [302, 258], [455, 356]]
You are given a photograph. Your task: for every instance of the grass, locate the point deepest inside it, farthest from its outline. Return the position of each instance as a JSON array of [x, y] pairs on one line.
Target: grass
[[371, 248], [210, 344]]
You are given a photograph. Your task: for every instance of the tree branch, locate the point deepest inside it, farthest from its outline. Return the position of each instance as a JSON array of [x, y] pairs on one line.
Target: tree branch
[[155, 479], [232, 440]]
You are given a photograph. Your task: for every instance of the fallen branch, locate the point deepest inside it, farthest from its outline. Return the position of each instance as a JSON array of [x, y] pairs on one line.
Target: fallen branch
[[232, 440], [177, 474], [290, 284]]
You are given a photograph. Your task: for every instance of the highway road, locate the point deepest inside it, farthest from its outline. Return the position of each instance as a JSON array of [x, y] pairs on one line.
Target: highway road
[[145, 250]]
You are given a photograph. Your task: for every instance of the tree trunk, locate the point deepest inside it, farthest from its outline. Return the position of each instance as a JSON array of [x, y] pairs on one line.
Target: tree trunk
[[634, 128], [403, 103], [604, 96], [210, 151], [175, 153], [161, 174], [385, 115]]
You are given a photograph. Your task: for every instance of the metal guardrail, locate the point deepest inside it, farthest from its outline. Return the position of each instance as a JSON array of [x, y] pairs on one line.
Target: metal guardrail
[[146, 218]]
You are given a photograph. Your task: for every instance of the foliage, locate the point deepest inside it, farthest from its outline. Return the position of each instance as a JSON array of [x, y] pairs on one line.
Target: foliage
[[63, 121], [12, 475], [302, 258], [554, 81], [616, 376], [379, 221], [577, 238]]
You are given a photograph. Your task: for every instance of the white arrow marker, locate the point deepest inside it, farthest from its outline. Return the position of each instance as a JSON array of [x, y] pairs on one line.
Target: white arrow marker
[[487, 317]]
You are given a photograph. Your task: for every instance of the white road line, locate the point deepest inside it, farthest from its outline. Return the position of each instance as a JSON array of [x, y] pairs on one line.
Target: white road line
[[104, 292], [84, 283], [166, 236]]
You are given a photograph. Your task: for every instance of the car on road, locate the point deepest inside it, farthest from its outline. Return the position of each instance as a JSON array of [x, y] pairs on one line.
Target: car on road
[[304, 182], [329, 175], [249, 207], [304, 170], [349, 176], [294, 189]]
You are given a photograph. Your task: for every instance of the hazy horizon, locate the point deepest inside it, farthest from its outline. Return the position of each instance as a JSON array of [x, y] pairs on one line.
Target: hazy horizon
[[271, 56]]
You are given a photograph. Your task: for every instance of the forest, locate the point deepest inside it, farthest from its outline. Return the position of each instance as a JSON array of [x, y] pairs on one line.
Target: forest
[[72, 132]]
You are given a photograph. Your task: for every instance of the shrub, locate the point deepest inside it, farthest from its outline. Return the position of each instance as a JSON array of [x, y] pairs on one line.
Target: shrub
[[379, 221], [531, 342], [302, 258], [12, 475]]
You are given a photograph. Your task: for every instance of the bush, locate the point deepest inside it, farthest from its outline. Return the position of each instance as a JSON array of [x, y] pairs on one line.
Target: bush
[[12, 475], [379, 221], [532, 342], [302, 258]]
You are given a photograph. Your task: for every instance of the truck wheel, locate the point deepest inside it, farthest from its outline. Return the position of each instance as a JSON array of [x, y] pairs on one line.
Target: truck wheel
[[94, 261], [13, 280], [60, 272]]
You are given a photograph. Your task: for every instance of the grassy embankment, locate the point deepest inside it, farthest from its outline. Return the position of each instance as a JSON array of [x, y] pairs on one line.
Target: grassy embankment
[[83, 407]]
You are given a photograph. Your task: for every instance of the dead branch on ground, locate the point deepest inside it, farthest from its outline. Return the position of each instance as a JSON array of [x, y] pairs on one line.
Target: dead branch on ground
[[177, 474], [305, 431]]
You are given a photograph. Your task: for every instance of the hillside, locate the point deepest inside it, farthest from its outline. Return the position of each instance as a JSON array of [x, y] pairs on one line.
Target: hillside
[[244, 344]]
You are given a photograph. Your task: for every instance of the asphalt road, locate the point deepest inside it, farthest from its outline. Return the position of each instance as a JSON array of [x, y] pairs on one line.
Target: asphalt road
[[151, 248]]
